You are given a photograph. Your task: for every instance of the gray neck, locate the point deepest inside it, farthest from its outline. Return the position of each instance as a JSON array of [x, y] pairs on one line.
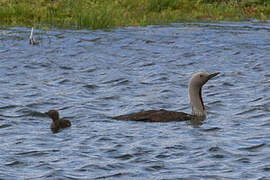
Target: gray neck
[[195, 97]]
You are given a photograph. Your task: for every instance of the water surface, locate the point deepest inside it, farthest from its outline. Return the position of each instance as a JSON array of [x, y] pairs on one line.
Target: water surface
[[91, 76]]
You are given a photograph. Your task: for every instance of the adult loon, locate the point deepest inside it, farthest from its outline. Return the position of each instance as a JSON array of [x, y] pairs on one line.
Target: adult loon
[[195, 96]]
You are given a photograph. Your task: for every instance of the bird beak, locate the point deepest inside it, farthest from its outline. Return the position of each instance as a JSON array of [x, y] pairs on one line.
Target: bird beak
[[213, 75]]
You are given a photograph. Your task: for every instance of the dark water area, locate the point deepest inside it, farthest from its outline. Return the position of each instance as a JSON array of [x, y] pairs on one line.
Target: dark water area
[[90, 76]]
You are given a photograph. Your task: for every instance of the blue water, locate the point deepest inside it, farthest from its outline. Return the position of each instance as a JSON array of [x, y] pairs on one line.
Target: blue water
[[90, 76]]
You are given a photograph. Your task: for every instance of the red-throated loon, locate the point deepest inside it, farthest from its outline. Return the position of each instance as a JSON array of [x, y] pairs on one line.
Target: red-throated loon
[[57, 123], [195, 96]]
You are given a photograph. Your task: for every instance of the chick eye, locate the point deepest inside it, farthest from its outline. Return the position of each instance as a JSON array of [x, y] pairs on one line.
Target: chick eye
[[201, 76]]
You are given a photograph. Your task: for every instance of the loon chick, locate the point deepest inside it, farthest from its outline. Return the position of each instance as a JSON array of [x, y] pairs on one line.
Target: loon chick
[[195, 96], [57, 123]]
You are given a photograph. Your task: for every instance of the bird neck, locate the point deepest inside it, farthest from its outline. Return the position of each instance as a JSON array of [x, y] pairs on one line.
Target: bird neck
[[196, 101], [55, 117]]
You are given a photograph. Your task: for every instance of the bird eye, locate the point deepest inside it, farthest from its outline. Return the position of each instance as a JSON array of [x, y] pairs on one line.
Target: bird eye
[[201, 75]]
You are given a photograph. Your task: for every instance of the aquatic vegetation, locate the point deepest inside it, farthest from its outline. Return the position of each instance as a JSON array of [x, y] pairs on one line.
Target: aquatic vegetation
[[96, 14]]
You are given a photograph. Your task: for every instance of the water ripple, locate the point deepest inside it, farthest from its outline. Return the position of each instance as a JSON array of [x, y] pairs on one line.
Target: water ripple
[[90, 76]]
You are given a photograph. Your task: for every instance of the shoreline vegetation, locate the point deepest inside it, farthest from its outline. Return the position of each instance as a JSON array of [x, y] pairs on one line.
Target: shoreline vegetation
[[100, 14]]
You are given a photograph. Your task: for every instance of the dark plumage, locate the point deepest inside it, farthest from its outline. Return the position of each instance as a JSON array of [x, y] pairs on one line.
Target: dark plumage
[[156, 116], [57, 123]]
